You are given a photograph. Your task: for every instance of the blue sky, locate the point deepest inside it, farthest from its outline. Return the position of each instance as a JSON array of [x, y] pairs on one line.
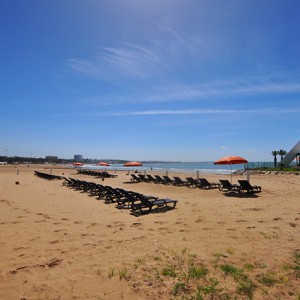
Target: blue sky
[[187, 80]]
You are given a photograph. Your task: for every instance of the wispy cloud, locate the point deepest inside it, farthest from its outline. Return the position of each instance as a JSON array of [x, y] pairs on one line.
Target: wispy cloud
[[198, 92], [163, 49], [269, 111], [127, 60], [223, 89], [85, 67]]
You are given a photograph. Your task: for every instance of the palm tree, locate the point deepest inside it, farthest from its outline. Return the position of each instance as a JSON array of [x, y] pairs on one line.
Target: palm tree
[[282, 153], [275, 153]]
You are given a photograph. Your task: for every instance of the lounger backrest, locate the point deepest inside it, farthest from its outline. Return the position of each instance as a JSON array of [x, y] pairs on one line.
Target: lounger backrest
[[225, 183], [245, 184]]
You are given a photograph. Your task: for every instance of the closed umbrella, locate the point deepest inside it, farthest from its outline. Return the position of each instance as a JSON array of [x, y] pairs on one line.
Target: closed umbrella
[[231, 160], [77, 164], [133, 164], [102, 163]]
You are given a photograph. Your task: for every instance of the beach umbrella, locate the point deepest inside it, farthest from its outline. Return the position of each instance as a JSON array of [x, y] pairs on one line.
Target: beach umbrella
[[231, 160], [133, 164], [102, 163], [77, 164]]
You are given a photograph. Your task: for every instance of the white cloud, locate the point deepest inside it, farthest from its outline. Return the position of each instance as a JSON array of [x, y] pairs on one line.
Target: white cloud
[[195, 112]]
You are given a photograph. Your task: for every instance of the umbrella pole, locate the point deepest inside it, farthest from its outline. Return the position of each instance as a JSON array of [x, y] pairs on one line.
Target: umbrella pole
[[231, 172]]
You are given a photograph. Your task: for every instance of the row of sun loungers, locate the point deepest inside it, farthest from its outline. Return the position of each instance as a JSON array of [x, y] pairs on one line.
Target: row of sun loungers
[[191, 182], [243, 186], [47, 176], [101, 174], [203, 183], [137, 202]]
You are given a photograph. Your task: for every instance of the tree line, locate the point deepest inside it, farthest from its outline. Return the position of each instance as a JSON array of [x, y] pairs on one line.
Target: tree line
[[280, 152]]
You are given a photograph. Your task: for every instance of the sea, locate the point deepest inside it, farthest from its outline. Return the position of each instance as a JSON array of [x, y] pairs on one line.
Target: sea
[[184, 167]]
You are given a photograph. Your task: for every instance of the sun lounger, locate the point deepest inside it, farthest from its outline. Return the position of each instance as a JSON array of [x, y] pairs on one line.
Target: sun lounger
[[191, 182], [205, 184], [246, 186], [150, 178], [178, 181], [159, 179], [108, 175], [142, 177], [226, 185], [131, 197], [168, 180], [134, 178], [143, 205]]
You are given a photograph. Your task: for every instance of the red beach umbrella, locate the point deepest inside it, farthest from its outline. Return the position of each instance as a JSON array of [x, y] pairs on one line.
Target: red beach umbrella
[[133, 164], [77, 164], [102, 163], [231, 160]]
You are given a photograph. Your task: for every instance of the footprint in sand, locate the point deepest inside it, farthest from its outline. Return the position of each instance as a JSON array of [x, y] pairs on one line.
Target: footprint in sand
[[136, 224], [199, 220], [21, 248], [86, 234], [43, 215], [94, 224], [54, 242], [160, 222], [35, 238], [5, 202]]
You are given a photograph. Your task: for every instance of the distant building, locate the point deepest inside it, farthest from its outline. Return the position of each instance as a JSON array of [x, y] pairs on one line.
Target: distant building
[[78, 157], [51, 158]]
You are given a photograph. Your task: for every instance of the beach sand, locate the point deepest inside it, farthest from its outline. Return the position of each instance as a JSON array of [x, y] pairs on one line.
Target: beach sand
[[58, 243]]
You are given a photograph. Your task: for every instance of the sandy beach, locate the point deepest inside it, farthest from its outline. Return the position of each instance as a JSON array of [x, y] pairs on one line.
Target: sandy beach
[[58, 243]]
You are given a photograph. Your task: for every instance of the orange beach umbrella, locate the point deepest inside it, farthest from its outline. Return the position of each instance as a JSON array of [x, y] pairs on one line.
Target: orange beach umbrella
[[102, 163], [77, 164], [133, 164], [231, 160]]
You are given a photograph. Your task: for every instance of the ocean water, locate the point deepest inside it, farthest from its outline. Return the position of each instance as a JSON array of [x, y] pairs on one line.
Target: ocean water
[[192, 168]]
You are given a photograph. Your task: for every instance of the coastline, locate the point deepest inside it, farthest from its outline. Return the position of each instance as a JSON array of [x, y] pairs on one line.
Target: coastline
[[60, 243]]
